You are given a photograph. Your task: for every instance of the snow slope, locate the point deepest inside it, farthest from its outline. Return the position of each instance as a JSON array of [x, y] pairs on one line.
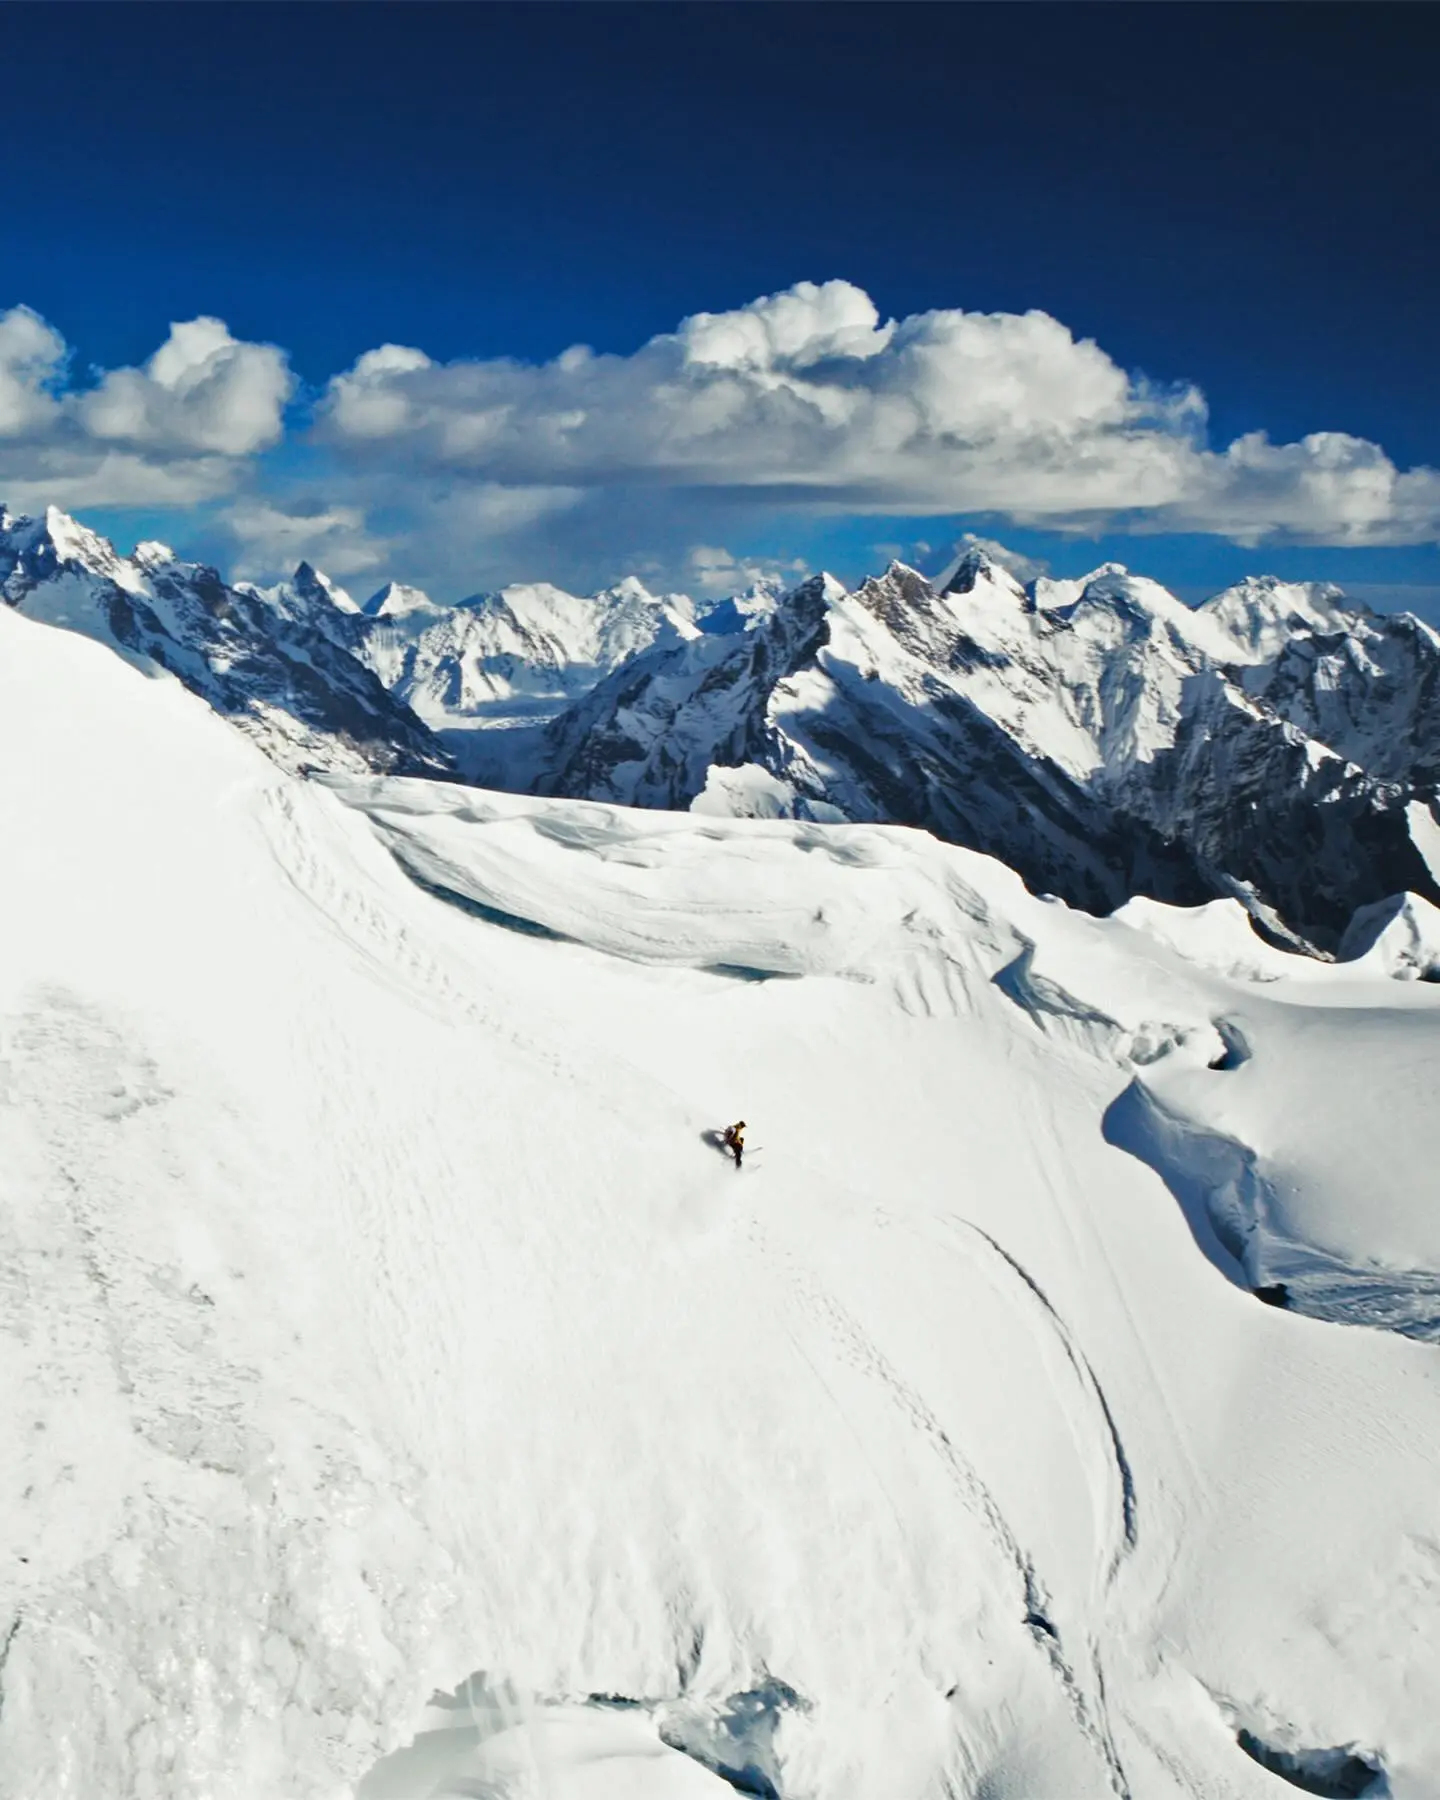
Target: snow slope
[[391, 1353]]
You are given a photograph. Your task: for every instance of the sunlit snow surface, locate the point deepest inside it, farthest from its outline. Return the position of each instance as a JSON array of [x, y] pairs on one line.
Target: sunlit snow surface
[[382, 1324]]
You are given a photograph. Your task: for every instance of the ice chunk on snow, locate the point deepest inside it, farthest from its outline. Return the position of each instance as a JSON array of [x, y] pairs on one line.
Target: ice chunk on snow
[[750, 792]]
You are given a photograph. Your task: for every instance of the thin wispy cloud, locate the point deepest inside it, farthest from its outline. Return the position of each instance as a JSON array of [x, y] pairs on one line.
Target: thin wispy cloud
[[270, 537]]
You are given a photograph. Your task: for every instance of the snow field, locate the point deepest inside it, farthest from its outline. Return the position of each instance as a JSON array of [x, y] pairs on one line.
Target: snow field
[[378, 1314]]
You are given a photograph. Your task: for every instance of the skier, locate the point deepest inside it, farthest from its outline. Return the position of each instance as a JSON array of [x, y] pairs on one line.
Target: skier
[[733, 1138]]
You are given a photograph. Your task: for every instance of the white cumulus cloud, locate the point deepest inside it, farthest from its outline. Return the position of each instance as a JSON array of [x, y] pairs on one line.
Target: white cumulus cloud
[[32, 354], [1329, 485], [201, 390], [268, 537], [713, 571], [178, 430], [808, 398], [735, 428]]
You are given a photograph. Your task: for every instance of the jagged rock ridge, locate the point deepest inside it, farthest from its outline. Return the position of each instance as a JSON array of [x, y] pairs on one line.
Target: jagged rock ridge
[[281, 666], [1101, 737]]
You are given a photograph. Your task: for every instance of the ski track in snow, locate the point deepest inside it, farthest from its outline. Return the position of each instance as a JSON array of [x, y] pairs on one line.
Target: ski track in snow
[[1112, 1485], [1093, 1396]]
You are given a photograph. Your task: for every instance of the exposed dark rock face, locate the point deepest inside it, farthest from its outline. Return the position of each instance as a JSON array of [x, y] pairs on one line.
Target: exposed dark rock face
[[284, 674]]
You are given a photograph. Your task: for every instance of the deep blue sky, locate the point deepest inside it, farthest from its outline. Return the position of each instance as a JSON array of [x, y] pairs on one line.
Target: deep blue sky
[[1241, 196]]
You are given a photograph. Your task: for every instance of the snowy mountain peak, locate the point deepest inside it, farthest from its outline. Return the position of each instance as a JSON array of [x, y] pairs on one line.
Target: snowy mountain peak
[[154, 555], [314, 584], [495, 668], [1112, 584], [1261, 613], [280, 665], [629, 587], [76, 543], [396, 600], [32, 549], [65, 533], [739, 612], [18, 530], [1111, 596], [975, 568]]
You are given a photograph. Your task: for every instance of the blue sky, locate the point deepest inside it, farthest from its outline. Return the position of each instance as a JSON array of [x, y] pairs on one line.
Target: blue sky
[[1146, 283]]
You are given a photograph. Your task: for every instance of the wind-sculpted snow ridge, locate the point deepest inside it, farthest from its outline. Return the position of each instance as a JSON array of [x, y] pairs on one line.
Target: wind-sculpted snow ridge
[[1399, 936], [405, 1399], [279, 665]]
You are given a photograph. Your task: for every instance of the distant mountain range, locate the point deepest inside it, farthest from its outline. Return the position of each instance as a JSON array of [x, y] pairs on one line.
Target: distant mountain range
[[283, 667], [1279, 743]]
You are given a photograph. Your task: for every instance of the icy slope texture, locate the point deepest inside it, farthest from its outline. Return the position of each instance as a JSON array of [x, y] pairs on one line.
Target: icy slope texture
[[280, 665], [379, 1315], [1100, 737]]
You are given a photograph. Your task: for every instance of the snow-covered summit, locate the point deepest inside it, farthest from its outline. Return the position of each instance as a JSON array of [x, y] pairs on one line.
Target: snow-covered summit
[[972, 568], [152, 554], [1112, 593], [279, 665], [735, 612], [315, 583], [504, 662], [1100, 736], [36, 549], [1262, 613], [1364, 684], [395, 600], [312, 600]]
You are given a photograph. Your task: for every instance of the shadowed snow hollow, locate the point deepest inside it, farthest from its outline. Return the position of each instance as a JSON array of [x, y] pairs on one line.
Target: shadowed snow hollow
[[378, 1310]]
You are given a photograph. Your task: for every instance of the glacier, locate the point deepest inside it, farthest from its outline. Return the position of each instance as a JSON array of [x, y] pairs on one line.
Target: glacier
[[405, 1399]]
